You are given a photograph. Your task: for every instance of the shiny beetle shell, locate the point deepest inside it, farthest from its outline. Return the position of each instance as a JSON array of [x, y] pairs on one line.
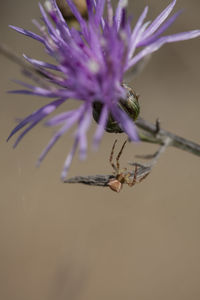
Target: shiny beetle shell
[[130, 106]]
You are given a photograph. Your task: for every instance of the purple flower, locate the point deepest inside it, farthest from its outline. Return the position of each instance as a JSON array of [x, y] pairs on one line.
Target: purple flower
[[90, 67]]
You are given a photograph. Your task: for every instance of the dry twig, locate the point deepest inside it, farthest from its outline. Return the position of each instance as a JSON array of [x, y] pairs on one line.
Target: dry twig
[[142, 170]]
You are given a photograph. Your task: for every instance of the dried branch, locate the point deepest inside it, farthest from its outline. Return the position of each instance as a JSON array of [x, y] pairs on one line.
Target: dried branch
[[96, 180], [154, 158], [8, 53], [152, 134], [29, 71], [103, 180], [142, 170]]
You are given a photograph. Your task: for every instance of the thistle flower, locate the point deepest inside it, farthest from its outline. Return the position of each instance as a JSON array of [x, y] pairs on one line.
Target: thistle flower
[[90, 67]]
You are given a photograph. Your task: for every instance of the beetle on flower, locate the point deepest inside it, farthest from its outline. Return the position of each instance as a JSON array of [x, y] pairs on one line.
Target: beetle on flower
[[91, 63]]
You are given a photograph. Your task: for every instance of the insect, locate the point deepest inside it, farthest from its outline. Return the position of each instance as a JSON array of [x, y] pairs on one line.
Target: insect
[[122, 175], [130, 106]]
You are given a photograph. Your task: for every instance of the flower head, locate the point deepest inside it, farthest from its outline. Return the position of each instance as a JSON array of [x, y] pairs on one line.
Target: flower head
[[90, 64]]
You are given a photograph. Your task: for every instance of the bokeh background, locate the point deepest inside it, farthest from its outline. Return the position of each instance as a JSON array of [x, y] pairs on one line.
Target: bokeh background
[[60, 241]]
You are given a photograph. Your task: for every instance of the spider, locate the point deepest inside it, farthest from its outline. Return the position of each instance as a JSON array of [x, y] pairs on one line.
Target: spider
[[122, 175]]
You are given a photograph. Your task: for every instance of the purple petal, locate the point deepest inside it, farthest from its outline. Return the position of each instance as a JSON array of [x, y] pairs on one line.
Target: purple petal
[[28, 33], [82, 130], [25, 84], [59, 119], [37, 116], [161, 41], [41, 64], [90, 8], [109, 12], [99, 10], [60, 21], [48, 24], [119, 12], [140, 22], [79, 138], [36, 92], [137, 32], [83, 147], [78, 16], [37, 120], [163, 28], [183, 36], [126, 123], [101, 127], [19, 126], [68, 124], [44, 92], [69, 160], [159, 20]]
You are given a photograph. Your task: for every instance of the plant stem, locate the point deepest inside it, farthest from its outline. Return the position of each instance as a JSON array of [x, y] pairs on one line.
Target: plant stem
[[149, 134]]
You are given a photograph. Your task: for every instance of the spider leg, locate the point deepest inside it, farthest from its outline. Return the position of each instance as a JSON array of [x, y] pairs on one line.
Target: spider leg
[[135, 173], [111, 156], [120, 153], [134, 181], [157, 126], [143, 177]]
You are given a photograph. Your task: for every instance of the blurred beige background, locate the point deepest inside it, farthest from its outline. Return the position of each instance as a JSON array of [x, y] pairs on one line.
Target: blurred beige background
[[61, 241]]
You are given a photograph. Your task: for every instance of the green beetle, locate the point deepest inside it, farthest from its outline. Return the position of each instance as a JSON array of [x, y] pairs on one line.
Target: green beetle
[[130, 106]]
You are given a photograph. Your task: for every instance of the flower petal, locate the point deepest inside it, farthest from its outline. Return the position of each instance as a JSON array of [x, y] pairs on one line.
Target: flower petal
[[163, 28], [79, 18], [159, 20], [160, 42], [68, 160], [41, 64], [28, 33], [101, 127], [81, 132], [36, 117], [68, 124], [126, 123]]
